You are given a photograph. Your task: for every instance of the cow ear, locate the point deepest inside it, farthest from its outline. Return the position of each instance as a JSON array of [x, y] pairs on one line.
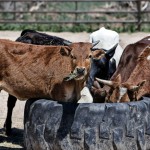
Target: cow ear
[[141, 83], [65, 51], [109, 54], [137, 87]]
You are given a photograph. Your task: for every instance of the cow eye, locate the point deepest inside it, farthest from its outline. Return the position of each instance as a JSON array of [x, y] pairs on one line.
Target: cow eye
[[88, 56], [73, 57]]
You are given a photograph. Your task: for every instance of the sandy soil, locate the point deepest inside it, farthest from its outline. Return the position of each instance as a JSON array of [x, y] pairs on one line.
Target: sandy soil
[[16, 140], [125, 38]]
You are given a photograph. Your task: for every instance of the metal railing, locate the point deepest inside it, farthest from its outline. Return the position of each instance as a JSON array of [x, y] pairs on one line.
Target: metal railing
[[76, 12]]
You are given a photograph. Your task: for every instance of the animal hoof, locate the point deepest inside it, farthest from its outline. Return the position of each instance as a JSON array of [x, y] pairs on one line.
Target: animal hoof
[[7, 129]]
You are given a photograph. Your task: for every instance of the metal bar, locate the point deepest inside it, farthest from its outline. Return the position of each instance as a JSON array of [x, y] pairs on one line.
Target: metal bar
[[70, 0], [69, 22], [78, 21], [78, 11]]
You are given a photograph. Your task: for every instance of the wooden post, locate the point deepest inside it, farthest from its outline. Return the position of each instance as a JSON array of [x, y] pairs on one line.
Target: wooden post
[[139, 15], [76, 9], [15, 10]]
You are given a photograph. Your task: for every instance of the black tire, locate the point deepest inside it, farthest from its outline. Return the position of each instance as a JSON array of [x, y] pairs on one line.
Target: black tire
[[50, 125]]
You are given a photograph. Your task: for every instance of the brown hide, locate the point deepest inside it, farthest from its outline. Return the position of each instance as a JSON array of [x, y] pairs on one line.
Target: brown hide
[[80, 55], [126, 68], [137, 85], [129, 58], [31, 71], [140, 73]]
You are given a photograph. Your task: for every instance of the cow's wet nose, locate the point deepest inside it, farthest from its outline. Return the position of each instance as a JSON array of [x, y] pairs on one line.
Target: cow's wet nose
[[80, 70]]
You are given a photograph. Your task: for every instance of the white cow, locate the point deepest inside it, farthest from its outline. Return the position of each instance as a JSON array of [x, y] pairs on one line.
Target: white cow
[[107, 38]]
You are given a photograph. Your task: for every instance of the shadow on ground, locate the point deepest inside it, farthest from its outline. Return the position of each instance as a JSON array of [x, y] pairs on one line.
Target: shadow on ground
[[13, 142]]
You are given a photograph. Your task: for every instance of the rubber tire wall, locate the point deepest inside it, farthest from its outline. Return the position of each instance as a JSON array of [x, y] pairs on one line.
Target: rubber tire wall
[[50, 125]]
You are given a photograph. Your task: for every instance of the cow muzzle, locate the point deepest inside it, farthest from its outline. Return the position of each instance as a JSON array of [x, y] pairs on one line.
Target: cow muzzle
[[81, 73], [78, 74]]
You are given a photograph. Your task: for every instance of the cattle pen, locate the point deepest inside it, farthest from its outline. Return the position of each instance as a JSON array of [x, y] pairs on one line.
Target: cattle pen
[[16, 140], [133, 12], [53, 13]]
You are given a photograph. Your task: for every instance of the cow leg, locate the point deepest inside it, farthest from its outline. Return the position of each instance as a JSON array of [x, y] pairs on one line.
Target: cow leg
[[10, 105]]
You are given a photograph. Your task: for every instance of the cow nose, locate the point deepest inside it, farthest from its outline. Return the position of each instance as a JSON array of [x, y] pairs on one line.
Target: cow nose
[[80, 70]]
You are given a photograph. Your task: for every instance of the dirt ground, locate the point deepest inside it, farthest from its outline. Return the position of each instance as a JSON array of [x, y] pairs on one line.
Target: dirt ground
[[15, 141]]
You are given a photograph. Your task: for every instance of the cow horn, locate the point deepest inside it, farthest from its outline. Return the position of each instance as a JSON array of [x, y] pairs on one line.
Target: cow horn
[[136, 87], [67, 43], [112, 49], [109, 83], [110, 52], [95, 43]]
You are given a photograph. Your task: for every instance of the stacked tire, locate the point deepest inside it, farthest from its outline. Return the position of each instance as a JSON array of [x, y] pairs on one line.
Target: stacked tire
[[50, 125]]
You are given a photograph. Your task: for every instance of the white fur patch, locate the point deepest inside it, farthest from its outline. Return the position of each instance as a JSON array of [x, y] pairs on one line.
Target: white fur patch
[[148, 58], [86, 96], [149, 39], [122, 92]]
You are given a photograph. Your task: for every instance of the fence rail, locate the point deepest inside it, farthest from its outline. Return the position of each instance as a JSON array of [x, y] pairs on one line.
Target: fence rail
[[71, 0], [77, 12]]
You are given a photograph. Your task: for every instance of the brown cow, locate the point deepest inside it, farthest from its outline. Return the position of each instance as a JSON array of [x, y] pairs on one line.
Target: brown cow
[[31, 71], [31, 37], [137, 85], [126, 66], [129, 58]]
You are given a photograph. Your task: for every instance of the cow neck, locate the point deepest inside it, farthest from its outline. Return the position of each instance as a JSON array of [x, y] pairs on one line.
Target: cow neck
[[146, 41], [79, 86]]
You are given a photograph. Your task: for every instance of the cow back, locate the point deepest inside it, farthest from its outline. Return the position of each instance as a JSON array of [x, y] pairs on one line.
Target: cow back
[[129, 58]]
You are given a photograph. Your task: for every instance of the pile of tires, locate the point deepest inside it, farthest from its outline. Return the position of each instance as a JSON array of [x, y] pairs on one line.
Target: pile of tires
[[50, 125]]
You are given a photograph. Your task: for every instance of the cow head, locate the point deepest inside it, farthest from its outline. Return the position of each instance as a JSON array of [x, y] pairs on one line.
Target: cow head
[[121, 92], [26, 37], [100, 65], [101, 58], [80, 54]]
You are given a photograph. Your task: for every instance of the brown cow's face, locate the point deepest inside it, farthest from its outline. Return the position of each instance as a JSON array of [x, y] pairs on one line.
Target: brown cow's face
[[115, 91], [80, 54], [125, 92], [118, 94], [121, 92]]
